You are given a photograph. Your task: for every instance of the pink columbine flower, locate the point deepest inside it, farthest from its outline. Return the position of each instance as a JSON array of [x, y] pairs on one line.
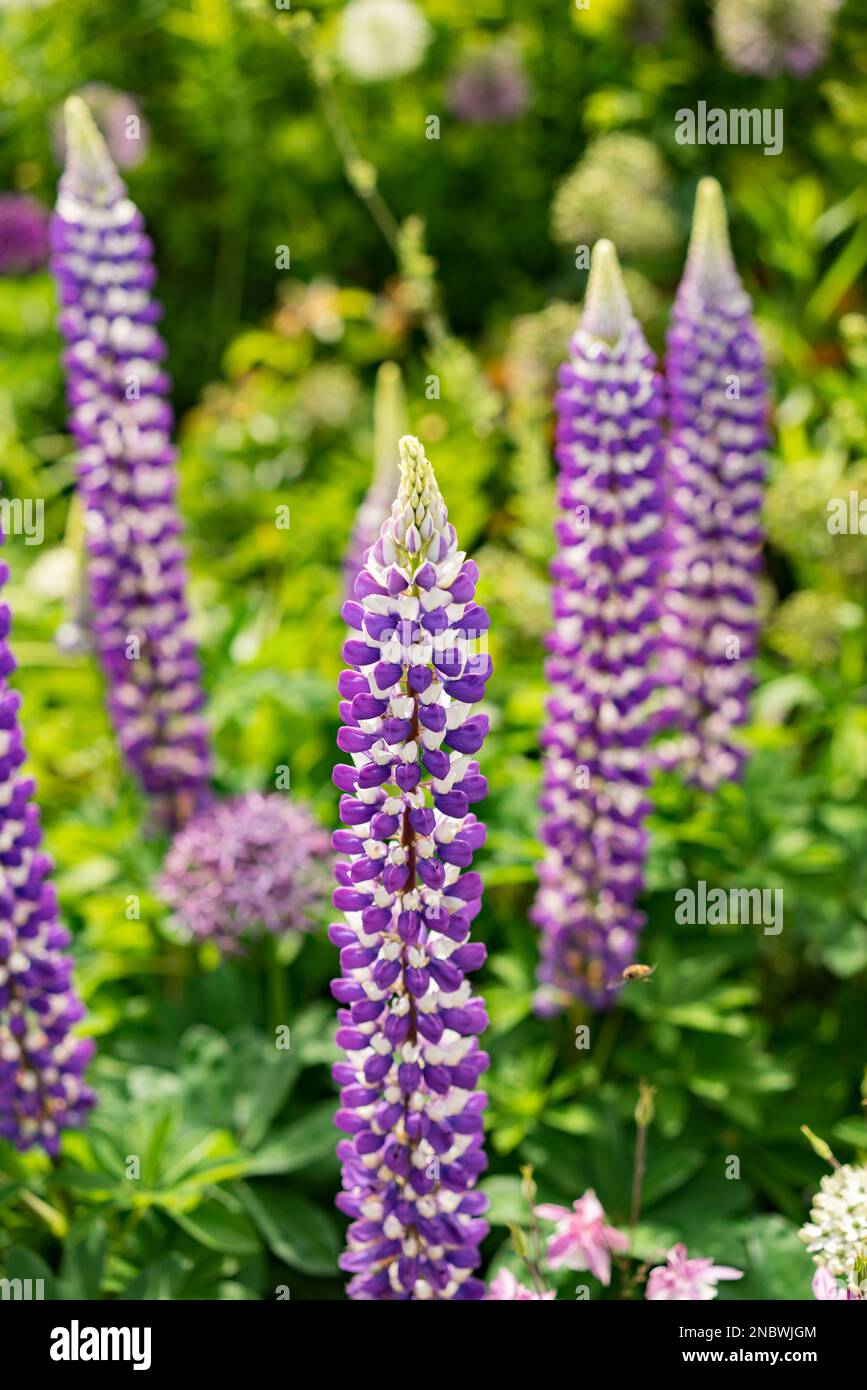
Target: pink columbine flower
[[826, 1288], [683, 1280], [582, 1240], [505, 1286]]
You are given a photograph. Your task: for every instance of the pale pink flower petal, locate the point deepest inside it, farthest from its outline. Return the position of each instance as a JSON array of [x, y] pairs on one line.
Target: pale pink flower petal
[[549, 1211], [581, 1239], [506, 1287], [683, 1280]]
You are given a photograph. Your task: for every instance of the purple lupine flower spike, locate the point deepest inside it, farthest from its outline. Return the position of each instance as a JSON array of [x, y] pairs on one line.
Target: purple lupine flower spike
[[410, 1023], [122, 424], [604, 649], [719, 405], [42, 1091]]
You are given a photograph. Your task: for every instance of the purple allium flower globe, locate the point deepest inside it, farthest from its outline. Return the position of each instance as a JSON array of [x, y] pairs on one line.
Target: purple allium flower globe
[[768, 37], [239, 867], [604, 649], [42, 1063], [122, 424], [410, 1023], [718, 403], [23, 234], [489, 87]]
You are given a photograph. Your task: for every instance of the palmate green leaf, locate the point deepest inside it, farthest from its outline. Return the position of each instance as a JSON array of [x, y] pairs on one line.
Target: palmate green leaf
[[512, 971], [572, 1119], [506, 1009], [506, 1137], [213, 1158], [668, 1170], [705, 1019], [218, 1227], [650, 1242], [163, 1280], [177, 1160], [298, 1232], [852, 1131], [9, 1192], [264, 1075], [778, 1265], [308, 1140], [81, 1268], [561, 1167], [847, 955]]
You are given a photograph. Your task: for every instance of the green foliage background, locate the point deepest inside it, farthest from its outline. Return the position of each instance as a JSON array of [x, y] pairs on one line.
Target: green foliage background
[[745, 1036]]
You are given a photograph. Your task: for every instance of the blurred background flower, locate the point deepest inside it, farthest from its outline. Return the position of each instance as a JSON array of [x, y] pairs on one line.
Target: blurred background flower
[[768, 37], [489, 86], [836, 1234], [120, 120], [23, 234], [381, 38], [808, 626], [618, 190], [255, 863]]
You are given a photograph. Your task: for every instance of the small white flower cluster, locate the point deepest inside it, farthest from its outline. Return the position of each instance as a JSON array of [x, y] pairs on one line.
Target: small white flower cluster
[[836, 1234]]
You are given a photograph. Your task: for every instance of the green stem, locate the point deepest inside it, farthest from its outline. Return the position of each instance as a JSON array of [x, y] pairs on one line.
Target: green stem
[[276, 985], [638, 1175]]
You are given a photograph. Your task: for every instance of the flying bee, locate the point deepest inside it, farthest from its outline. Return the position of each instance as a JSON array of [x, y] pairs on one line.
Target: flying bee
[[634, 972]]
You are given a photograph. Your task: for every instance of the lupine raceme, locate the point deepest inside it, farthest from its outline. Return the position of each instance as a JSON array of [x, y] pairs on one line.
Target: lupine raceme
[[604, 648], [409, 1021], [122, 422], [718, 402], [42, 1090]]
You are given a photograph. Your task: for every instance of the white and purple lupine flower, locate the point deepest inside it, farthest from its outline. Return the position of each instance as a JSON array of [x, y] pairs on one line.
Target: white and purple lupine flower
[[604, 648], [718, 403], [122, 424], [410, 1023], [42, 1091]]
